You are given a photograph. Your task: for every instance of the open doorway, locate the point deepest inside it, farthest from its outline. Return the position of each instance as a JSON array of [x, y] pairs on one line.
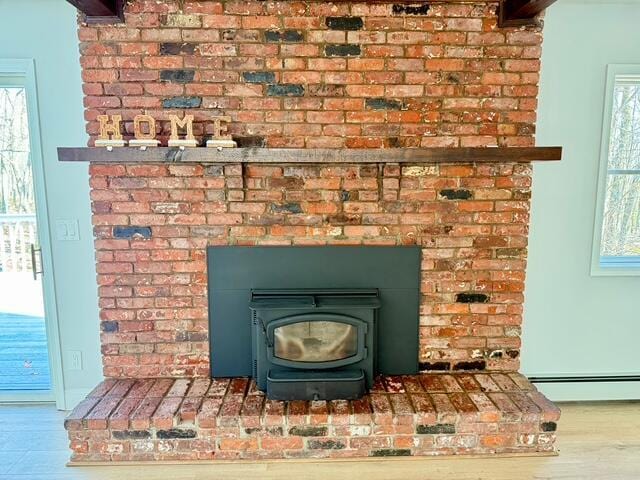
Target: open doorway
[[25, 366]]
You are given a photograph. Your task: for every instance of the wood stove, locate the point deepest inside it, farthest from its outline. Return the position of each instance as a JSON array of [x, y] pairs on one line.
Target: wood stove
[[314, 344], [313, 322]]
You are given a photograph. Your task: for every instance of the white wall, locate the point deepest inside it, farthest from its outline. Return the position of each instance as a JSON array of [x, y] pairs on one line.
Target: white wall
[[45, 30], [576, 324]]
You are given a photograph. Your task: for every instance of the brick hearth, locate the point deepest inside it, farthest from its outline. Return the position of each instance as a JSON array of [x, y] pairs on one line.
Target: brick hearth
[[198, 419]]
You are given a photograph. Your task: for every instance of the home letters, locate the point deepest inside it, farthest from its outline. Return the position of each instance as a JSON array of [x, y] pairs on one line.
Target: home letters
[[144, 132]]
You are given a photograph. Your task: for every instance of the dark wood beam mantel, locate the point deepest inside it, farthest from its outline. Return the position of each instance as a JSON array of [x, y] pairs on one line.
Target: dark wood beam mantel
[[518, 13], [101, 11], [302, 156], [512, 13]]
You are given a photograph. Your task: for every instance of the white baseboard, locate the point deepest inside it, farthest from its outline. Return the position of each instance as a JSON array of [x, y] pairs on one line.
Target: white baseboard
[[590, 391]]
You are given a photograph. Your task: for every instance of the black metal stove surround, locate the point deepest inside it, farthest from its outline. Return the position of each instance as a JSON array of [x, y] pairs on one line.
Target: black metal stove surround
[[313, 322]]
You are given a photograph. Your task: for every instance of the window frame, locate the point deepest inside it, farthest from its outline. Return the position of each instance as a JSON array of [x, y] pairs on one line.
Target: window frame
[[623, 265]]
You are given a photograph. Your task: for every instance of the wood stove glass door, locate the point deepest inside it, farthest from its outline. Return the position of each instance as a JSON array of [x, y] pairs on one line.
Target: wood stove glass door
[[317, 340]]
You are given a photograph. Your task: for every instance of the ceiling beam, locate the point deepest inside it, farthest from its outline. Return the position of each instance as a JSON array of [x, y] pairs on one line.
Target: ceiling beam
[[101, 11], [517, 13]]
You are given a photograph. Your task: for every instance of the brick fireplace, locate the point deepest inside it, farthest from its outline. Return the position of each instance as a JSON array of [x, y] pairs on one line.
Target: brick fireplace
[[306, 76]]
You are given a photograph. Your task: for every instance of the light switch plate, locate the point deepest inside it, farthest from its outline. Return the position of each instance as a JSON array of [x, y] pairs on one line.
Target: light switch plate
[[67, 230], [75, 360]]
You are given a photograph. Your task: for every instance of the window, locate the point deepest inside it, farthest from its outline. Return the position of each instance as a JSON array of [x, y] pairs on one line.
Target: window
[[617, 234]]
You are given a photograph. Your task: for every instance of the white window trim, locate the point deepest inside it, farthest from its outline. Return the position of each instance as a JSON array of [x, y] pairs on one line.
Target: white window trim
[[613, 71]]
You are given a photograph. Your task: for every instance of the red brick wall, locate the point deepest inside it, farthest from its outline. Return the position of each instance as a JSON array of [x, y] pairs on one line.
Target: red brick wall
[[318, 74], [153, 222], [310, 75]]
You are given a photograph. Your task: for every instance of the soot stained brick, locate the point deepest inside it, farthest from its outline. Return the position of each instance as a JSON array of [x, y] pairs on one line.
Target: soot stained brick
[[344, 23], [326, 445], [342, 50], [302, 431], [259, 77], [286, 208], [214, 171], [131, 434], [174, 48], [475, 365], [453, 78], [250, 141], [182, 102], [228, 35], [434, 366], [450, 194], [177, 76], [509, 252], [439, 428], [191, 337], [176, 433], [472, 298], [132, 232], [383, 104], [275, 431], [392, 452], [290, 90], [402, 9], [109, 326], [393, 142], [286, 36], [344, 219]]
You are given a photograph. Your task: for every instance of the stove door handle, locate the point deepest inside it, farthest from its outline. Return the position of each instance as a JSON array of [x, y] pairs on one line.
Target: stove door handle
[[264, 330]]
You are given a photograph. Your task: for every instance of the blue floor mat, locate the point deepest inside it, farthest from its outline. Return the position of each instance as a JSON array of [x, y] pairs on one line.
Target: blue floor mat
[[24, 361]]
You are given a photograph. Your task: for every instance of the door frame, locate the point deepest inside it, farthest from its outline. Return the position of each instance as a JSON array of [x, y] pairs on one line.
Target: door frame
[[24, 70]]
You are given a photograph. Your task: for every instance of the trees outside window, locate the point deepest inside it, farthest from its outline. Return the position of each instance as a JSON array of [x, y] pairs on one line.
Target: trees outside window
[[617, 234], [16, 183]]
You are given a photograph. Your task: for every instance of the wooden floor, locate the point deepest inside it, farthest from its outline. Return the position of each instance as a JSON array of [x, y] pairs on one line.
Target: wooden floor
[[597, 441]]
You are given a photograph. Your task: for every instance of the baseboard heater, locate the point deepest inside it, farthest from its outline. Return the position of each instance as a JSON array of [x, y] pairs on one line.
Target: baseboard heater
[[587, 379]]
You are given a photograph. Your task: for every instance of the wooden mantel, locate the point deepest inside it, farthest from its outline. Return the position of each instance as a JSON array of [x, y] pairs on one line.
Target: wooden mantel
[[101, 11], [512, 13], [301, 156], [521, 13]]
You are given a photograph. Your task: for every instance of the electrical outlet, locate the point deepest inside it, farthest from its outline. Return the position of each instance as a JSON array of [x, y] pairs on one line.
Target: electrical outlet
[[67, 230], [75, 360]]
